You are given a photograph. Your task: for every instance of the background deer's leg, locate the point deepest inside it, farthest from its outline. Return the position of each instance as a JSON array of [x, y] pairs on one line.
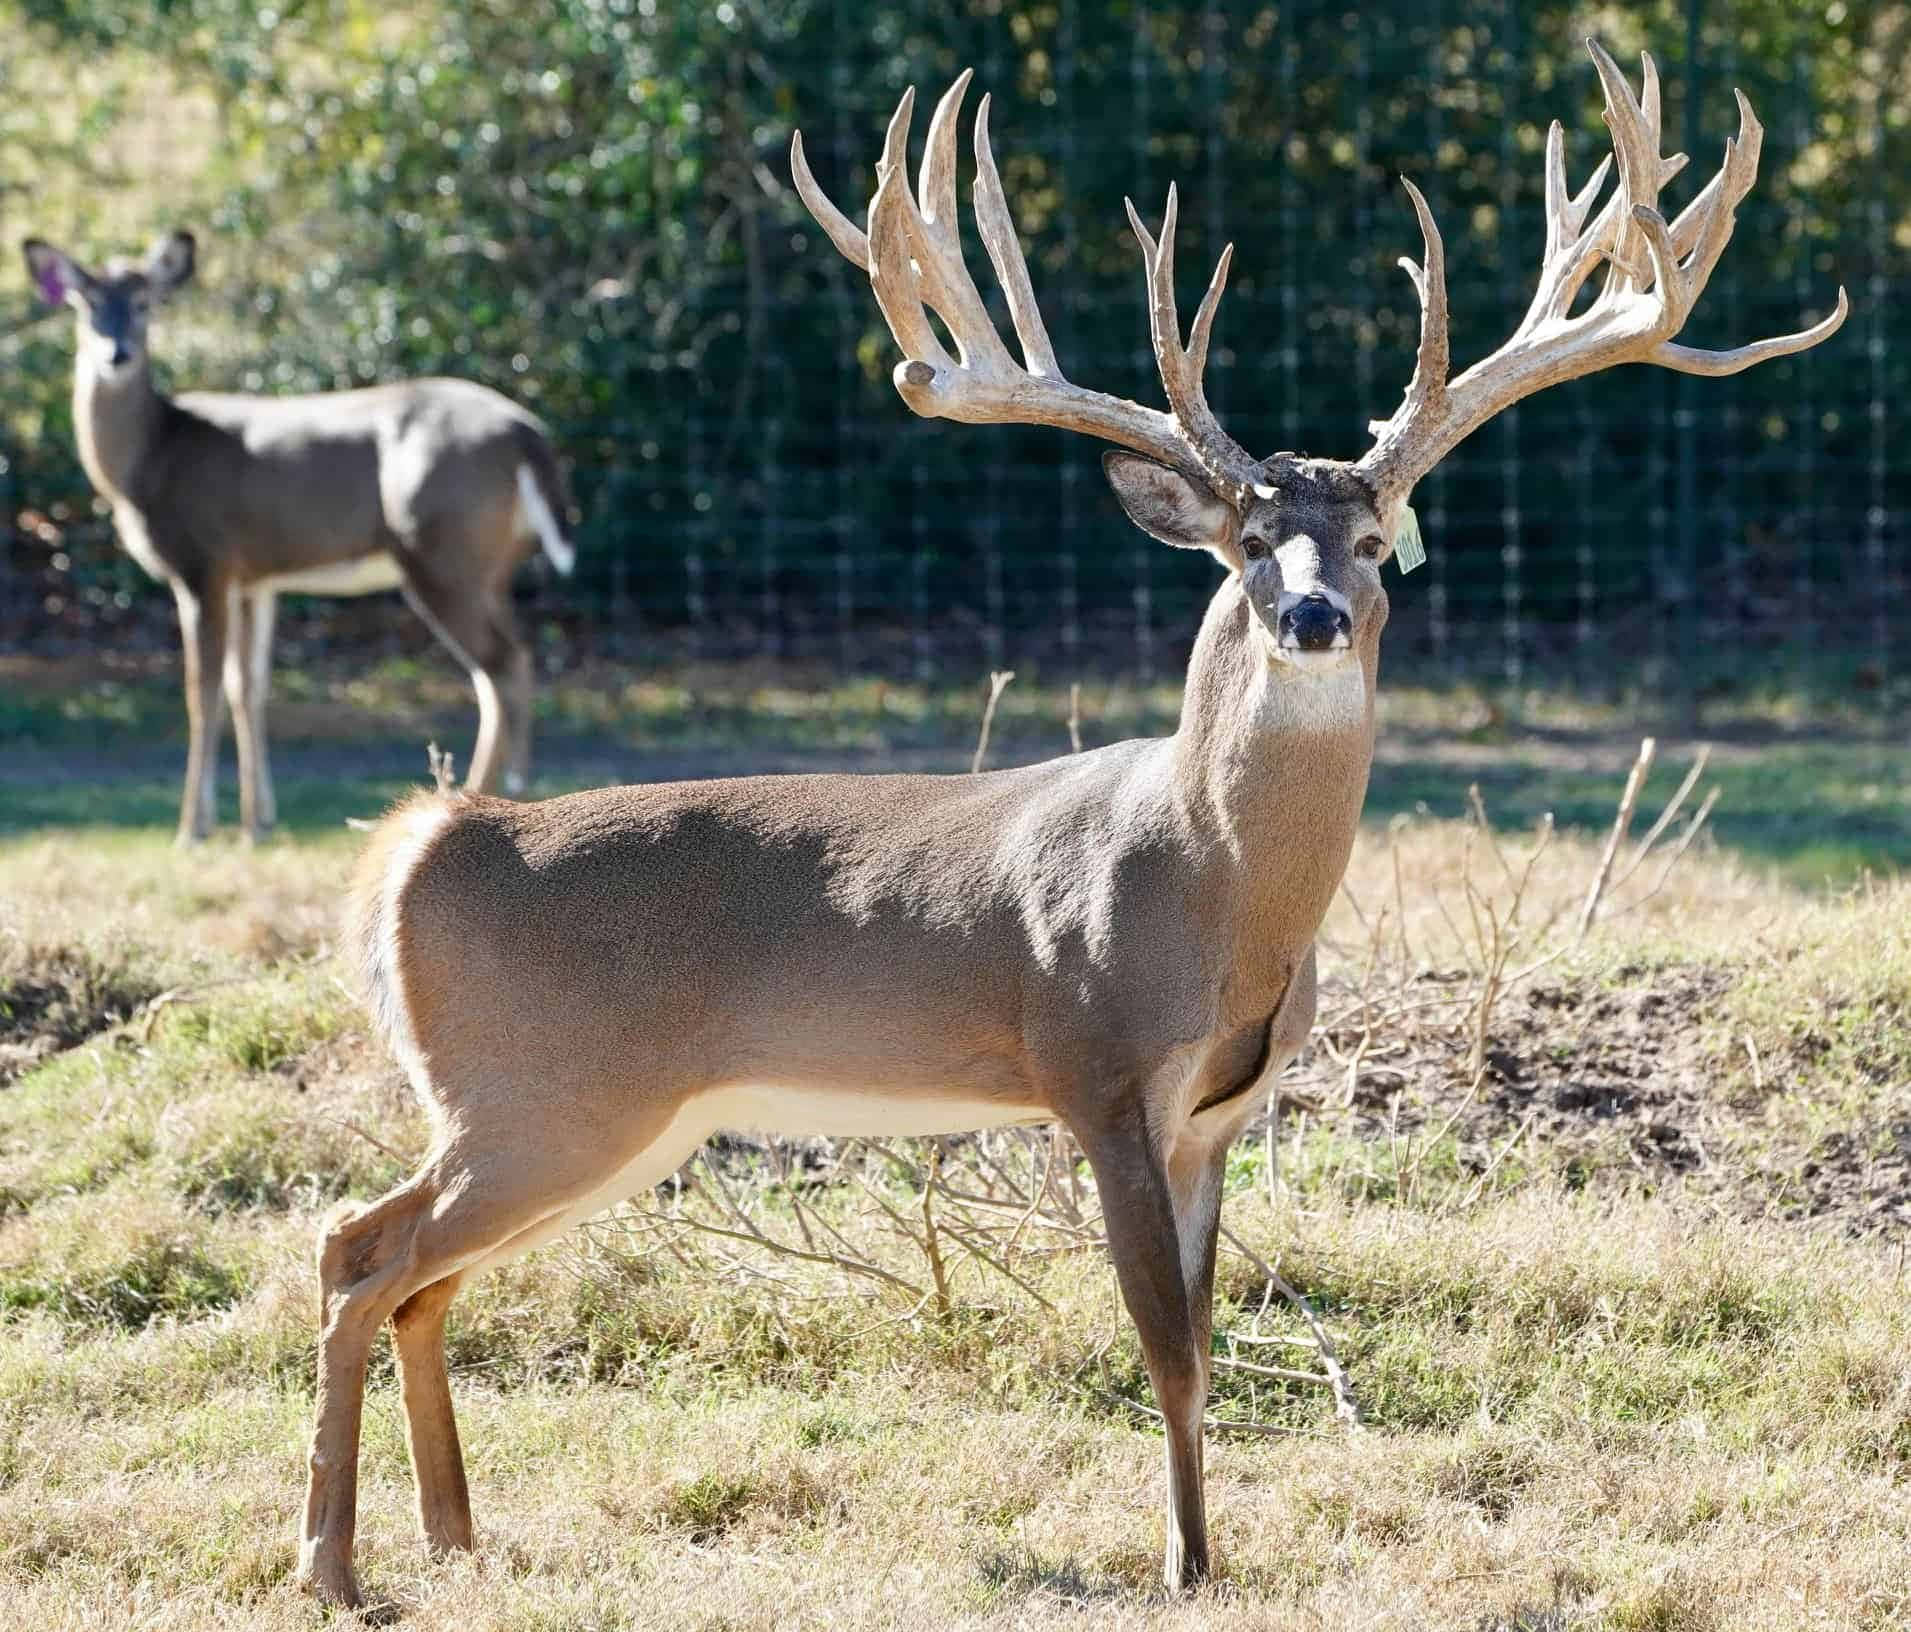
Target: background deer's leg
[[263, 615], [242, 681], [517, 697], [1139, 1214], [431, 1426], [203, 629], [478, 629]]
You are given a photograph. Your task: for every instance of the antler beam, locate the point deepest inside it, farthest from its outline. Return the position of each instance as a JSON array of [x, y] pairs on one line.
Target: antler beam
[[1656, 273]]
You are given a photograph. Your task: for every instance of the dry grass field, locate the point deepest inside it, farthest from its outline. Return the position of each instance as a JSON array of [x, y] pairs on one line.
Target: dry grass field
[[1607, 1233]]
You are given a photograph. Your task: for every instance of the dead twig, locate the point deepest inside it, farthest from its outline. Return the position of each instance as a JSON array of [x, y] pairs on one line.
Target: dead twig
[[998, 683], [1216, 1425], [854, 1266], [1285, 1374], [1346, 1403], [1648, 746], [931, 1243], [1671, 810], [370, 1138], [1499, 1156], [440, 762]]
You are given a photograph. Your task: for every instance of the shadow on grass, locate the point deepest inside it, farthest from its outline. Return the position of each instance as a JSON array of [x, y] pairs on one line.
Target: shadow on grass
[[308, 806], [1819, 805], [1026, 1572]]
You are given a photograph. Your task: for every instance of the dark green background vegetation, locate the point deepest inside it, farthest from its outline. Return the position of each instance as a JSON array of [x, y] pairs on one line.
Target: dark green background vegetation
[[587, 204]]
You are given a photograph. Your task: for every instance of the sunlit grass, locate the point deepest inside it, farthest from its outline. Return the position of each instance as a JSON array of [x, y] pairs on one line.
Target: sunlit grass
[[1592, 1401]]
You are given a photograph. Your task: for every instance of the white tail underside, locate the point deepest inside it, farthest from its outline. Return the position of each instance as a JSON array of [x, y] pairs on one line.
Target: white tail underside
[[535, 516]]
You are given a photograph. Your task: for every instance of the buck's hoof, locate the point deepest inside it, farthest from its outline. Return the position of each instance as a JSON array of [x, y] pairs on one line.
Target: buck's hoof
[[328, 1578]]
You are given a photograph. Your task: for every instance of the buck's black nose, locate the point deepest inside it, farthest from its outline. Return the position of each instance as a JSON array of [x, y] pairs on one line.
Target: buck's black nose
[[1313, 623], [121, 355]]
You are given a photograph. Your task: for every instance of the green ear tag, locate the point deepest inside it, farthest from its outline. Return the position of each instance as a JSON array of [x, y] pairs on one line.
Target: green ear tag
[[1408, 550]]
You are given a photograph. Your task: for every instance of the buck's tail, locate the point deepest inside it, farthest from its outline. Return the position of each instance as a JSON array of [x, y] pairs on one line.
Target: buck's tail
[[375, 917]]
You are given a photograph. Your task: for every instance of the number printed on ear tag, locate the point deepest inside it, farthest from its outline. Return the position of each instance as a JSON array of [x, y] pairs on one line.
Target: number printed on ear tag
[[1408, 550]]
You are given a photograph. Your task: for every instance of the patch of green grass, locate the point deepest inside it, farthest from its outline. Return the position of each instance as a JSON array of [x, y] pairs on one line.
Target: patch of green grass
[[706, 1506], [148, 801], [1822, 810], [1821, 795], [158, 1277]]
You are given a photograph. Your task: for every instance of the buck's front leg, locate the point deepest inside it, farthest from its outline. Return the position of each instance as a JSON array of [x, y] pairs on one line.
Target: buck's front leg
[[1151, 1263], [204, 623]]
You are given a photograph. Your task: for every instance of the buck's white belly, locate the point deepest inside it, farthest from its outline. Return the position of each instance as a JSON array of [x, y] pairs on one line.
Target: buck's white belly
[[847, 1113], [837, 1113], [365, 576]]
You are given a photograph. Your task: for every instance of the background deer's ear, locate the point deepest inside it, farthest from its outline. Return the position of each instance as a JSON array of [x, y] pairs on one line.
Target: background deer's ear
[[1166, 505], [170, 262], [54, 272]]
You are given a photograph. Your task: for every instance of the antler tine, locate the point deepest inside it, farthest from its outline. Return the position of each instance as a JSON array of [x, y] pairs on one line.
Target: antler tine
[[913, 256], [1658, 273], [892, 273], [1181, 367], [850, 241], [1705, 225], [1635, 145], [1692, 360], [1566, 216], [1005, 254], [1431, 364], [933, 240]]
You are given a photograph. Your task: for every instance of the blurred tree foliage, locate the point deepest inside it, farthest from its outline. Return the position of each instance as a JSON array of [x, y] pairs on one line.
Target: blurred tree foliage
[[586, 203]]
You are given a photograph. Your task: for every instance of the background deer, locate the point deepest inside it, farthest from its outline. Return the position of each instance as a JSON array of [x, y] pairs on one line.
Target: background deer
[[582, 990], [436, 487]]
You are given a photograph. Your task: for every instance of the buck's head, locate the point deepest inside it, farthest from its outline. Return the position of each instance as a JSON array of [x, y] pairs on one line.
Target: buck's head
[[1306, 540], [113, 306]]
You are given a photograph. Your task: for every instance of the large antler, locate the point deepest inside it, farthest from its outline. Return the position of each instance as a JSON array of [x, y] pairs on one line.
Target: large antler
[[1655, 274], [913, 255]]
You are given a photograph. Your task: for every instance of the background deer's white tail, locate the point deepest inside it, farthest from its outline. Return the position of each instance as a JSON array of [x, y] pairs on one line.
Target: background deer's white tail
[[540, 519]]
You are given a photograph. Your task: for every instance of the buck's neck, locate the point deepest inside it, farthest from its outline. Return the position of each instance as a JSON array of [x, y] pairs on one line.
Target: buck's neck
[[1270, 770], [117, 422]]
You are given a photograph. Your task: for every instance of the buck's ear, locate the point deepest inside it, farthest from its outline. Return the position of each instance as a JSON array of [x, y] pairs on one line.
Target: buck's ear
[[55, 273], [1166, 505], [170, 262]]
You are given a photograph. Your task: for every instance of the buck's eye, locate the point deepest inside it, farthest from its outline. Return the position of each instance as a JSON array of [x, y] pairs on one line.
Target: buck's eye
[[1255, 549], [1371, 547]]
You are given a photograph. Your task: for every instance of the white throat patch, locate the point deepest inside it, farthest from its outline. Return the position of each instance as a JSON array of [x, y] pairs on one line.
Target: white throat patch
[[1319, 702]]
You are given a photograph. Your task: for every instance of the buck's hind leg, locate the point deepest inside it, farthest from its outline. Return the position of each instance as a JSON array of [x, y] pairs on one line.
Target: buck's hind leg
[[477, 1201], [366, 1262], [431, 1426]]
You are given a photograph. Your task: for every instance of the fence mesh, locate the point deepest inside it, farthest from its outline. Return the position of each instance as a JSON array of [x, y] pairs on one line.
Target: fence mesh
[[596, 216]]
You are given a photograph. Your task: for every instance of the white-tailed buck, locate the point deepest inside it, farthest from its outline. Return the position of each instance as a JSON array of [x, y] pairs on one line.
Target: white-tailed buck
[[436, 487], [582, 990]]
